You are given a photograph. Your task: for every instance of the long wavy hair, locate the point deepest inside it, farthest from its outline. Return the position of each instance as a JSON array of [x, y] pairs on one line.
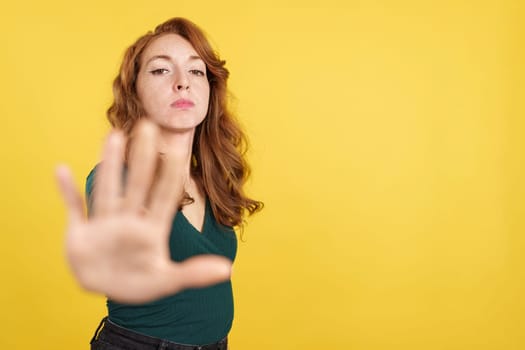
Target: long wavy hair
[[219, 144]]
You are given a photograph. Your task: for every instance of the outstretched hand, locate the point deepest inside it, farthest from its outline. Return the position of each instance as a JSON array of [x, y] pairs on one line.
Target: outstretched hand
[[122, 249]]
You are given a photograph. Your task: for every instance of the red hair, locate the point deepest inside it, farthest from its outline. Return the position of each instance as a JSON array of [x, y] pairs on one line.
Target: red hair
[[219, 144]]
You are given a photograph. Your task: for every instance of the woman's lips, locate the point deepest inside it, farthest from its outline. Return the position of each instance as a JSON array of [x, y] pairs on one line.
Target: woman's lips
[[183, 103]]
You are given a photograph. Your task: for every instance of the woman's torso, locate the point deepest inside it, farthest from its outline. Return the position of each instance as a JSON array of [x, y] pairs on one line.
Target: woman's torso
[[193, 316]]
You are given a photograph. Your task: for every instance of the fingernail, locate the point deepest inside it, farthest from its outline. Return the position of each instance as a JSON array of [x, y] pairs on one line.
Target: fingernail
[[115, 136]]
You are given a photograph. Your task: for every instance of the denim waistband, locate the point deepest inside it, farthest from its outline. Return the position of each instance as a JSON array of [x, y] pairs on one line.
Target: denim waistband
[[109, 332]]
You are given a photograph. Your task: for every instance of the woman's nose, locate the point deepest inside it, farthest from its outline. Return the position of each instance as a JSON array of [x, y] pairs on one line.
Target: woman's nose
[[180, 87], [181, 82]]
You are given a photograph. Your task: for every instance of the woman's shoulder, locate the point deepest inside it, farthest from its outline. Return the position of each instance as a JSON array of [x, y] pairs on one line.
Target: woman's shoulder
[[90, 179]]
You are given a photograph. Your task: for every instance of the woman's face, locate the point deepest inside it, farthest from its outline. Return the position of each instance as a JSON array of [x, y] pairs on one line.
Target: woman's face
[[172, 84]]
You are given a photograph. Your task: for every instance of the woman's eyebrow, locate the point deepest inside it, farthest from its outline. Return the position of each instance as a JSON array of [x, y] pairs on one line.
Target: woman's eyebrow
[[194, 57], [156, 57], [166, 57]]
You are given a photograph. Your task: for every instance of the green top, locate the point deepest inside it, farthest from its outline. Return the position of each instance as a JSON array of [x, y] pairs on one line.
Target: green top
[[194, 316]]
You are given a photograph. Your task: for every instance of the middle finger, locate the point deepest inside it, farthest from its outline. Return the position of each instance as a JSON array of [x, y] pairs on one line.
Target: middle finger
[[141, 165]]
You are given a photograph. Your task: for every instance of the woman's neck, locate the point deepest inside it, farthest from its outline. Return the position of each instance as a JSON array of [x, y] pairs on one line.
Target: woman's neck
[[180, 145]]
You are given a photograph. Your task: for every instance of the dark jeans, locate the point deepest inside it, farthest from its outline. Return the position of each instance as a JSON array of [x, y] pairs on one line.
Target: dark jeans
[[110, 336]]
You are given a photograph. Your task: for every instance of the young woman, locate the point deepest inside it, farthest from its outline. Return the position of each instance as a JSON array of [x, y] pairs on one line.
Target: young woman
[[159, 241]]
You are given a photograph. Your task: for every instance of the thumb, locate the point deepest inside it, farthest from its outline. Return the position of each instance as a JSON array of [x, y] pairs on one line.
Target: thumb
[[200, 271]]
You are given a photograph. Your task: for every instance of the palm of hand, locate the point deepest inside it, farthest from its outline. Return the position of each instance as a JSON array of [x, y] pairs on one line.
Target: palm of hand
[[120, 256], [122, 250]]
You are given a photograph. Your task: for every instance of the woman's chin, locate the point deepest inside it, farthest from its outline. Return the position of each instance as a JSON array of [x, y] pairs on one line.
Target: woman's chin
[[176, 126]]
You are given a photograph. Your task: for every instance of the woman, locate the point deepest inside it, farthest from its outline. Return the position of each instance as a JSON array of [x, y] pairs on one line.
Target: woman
[[172, 172]]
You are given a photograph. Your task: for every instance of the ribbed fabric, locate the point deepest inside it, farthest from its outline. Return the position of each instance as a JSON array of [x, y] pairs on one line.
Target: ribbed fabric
[[194, 316]]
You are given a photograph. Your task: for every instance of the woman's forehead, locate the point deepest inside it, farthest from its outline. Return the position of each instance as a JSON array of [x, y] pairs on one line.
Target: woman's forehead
[[169, 46]]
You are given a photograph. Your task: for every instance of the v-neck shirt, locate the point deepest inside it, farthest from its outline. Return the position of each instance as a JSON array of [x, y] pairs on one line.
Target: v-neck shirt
[[194, 316]]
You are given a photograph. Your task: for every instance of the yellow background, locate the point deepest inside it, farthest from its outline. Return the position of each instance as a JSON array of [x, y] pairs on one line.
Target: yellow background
[[387, 143]]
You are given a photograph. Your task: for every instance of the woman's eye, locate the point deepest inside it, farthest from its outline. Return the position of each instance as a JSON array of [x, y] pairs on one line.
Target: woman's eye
[[197, 72], [159, 71]]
